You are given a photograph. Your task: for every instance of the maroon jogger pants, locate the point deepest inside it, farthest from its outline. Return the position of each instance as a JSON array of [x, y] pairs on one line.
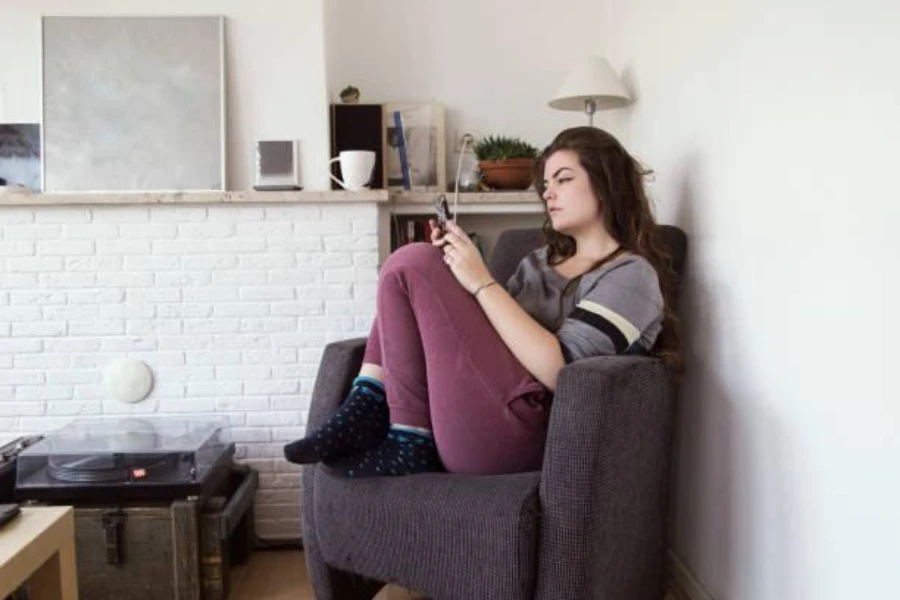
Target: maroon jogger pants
[[447, 369]]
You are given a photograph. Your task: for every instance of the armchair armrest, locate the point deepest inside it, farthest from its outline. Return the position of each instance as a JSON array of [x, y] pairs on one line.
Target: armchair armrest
[[339, 365], [604, 485]]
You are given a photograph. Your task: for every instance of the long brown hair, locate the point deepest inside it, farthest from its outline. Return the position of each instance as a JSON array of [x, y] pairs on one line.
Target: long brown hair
[[617, 180]]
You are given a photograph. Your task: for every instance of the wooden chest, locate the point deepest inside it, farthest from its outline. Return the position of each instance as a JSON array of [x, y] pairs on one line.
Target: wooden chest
[[182, 549]]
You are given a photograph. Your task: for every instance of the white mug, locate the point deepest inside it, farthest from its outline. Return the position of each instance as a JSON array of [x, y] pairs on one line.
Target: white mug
[[356, 167]]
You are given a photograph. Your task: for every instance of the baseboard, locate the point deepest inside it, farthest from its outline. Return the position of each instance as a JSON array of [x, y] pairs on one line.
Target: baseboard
[[681, 581]]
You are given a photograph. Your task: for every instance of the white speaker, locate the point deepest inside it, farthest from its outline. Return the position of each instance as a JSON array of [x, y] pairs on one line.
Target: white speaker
[[277, 165]]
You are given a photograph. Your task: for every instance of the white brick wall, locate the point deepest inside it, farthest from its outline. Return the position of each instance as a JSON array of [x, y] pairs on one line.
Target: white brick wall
[[230, 306]]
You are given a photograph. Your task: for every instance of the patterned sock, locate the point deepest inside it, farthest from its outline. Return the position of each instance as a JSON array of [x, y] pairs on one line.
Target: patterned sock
[[361, 423], [403, 452]]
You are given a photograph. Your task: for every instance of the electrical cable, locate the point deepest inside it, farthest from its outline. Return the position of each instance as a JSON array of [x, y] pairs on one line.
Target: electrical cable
[[462, 152]]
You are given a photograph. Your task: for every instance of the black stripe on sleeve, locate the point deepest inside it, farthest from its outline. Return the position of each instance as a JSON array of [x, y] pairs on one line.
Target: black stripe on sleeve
[[594, 320]]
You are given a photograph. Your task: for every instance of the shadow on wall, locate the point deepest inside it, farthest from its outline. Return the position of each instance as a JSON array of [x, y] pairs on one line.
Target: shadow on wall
[[716, 476], [703, 466], [623, 115], [618, 121]]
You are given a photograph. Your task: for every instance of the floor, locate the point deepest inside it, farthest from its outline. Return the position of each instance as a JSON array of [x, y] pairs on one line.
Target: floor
[[281, 575]]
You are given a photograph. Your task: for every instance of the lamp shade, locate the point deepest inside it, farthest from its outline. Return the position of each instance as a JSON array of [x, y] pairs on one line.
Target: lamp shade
[[591, 78]]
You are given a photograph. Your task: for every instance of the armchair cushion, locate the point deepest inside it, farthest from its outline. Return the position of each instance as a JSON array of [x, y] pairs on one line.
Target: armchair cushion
[[454, 536]]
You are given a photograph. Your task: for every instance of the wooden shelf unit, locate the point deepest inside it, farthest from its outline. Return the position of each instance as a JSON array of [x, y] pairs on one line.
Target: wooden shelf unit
[[486, 213]]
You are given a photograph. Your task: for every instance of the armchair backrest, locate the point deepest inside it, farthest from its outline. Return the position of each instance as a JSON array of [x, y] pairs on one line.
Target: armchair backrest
[[514, 244]]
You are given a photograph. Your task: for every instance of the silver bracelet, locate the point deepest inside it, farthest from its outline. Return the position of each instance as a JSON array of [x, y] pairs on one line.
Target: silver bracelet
[[482, 286]]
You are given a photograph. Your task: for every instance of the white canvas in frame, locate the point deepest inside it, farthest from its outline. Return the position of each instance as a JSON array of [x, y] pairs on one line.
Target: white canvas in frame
[[133, 104]]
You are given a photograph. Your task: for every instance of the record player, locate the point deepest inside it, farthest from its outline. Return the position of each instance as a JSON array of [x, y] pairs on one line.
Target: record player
[[125, 460]]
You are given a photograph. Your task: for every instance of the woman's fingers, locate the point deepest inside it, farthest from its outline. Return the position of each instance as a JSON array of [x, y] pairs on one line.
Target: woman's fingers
[[438, 237], [435, 231], [456, 239], [458, 248], [450, 254], [456, 230], [453, 235], [450, 251]]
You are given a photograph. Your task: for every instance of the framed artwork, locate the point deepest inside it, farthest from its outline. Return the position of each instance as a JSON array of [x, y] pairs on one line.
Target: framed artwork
[[20, 154], [133, 103], [425, 143]]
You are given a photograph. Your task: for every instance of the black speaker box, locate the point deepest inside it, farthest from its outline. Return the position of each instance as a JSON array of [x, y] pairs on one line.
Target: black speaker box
[[358, 127]]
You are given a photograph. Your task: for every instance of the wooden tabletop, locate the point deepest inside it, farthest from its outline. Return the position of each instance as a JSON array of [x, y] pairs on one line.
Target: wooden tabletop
[[30, 541]]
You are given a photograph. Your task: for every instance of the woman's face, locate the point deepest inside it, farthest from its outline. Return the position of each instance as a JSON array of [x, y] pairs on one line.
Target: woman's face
[[570, 198]]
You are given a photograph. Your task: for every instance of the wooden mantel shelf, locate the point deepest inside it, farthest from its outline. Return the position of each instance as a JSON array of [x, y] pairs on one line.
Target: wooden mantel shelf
[[177, 198], [488, 203], [517, 197], [403, 201]]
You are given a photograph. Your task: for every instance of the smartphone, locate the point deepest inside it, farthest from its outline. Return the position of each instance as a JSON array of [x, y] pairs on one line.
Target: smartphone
[[8, 512], [442, 210]]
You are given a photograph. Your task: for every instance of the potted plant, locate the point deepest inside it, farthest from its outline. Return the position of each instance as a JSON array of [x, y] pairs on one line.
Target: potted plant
[[350, 95], [505, 161]]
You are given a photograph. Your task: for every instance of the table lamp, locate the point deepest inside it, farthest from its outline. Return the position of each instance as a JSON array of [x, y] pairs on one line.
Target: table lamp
[[590, 85]]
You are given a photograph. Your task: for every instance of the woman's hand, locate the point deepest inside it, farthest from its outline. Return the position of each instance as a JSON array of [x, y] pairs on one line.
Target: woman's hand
[[436, 234], [462, 256]]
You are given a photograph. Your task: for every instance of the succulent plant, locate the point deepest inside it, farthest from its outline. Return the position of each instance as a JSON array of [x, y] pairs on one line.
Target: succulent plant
[[349, 94], [503, 147]]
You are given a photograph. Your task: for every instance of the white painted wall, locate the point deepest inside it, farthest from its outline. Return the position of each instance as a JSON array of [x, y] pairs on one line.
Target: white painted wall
[[494, 65], [773, 126], [275, 68], [229, 305]]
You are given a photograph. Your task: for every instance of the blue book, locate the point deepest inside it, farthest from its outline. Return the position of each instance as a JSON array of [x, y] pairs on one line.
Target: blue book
[[401, 148]]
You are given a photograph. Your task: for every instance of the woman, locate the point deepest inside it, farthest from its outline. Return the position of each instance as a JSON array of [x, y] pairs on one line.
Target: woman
[[459, 371]]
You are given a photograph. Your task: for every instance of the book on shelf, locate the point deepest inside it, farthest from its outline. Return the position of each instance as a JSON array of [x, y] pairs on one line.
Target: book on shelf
[[418, 229], [412, 229], [401, 148]]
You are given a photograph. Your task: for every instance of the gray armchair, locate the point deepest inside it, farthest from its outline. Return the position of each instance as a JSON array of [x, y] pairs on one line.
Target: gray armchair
[[590, 524]]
